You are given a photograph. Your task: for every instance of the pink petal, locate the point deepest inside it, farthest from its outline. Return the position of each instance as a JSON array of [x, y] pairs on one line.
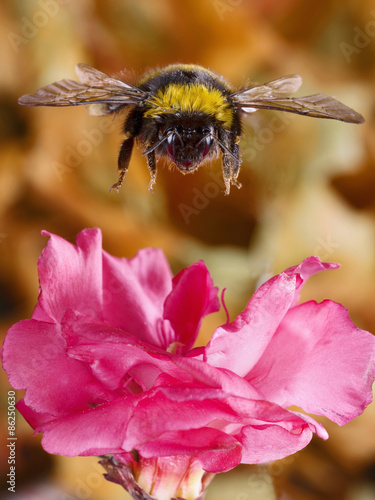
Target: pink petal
[[96, 431], [239, 345], [156, 415], [193, 296], [318, 360], [80, 329], [258, 413], [308, 267], [114, 365], [217, 451], [33, 418], [211, 377], [265, 443], [70, 277], [34, 351], [116, 357], [135, 291]]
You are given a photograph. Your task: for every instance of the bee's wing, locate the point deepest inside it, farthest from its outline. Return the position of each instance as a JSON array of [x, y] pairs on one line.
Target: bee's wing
[[95, 88], [281, 87], [95, 78], [273, 95]]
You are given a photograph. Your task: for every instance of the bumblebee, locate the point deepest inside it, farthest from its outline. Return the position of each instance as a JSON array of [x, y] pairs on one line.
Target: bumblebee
[[184, 112]]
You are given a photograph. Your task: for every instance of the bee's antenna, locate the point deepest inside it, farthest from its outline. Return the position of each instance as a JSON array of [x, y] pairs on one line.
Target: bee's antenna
[[152, 148], [224, 147]]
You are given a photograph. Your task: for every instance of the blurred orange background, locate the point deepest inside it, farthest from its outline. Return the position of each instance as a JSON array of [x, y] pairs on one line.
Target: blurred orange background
[[308, 189]]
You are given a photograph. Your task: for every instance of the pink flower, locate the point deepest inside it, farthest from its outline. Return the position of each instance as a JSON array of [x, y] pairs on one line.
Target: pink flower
[[108, 364]]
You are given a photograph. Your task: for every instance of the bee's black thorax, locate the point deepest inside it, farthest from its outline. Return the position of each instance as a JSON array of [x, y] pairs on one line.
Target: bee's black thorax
[[184, 74]]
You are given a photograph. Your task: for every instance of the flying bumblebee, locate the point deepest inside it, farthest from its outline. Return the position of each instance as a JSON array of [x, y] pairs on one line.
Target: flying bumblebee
[[184, 112]]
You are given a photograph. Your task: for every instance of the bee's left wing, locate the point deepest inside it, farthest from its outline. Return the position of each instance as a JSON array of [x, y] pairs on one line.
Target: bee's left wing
[[95, 88], [274, 95]]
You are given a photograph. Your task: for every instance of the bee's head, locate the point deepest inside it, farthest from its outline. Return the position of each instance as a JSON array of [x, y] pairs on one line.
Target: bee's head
[[187, 143]]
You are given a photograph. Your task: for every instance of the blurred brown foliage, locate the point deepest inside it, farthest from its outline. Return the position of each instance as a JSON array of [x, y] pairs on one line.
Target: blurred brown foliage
[[308, 184]]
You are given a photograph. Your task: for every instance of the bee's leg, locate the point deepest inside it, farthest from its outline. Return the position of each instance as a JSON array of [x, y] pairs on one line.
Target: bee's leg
[[236, 163], [231, 160], [151, 165], [123, 160], [226, 165], [226, 160]]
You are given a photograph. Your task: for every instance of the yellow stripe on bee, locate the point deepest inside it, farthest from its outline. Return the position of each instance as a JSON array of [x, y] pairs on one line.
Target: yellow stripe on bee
[[190, 98]]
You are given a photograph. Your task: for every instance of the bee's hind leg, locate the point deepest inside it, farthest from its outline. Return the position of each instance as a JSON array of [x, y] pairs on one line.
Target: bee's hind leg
[[123, 161]]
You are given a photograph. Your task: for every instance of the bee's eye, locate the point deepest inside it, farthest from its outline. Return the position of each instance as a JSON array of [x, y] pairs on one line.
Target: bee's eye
[[207, 145], [170, 144]]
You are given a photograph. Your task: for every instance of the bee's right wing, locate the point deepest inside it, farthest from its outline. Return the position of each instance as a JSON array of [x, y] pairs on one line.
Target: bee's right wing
[[106, 93], [275, 95]]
